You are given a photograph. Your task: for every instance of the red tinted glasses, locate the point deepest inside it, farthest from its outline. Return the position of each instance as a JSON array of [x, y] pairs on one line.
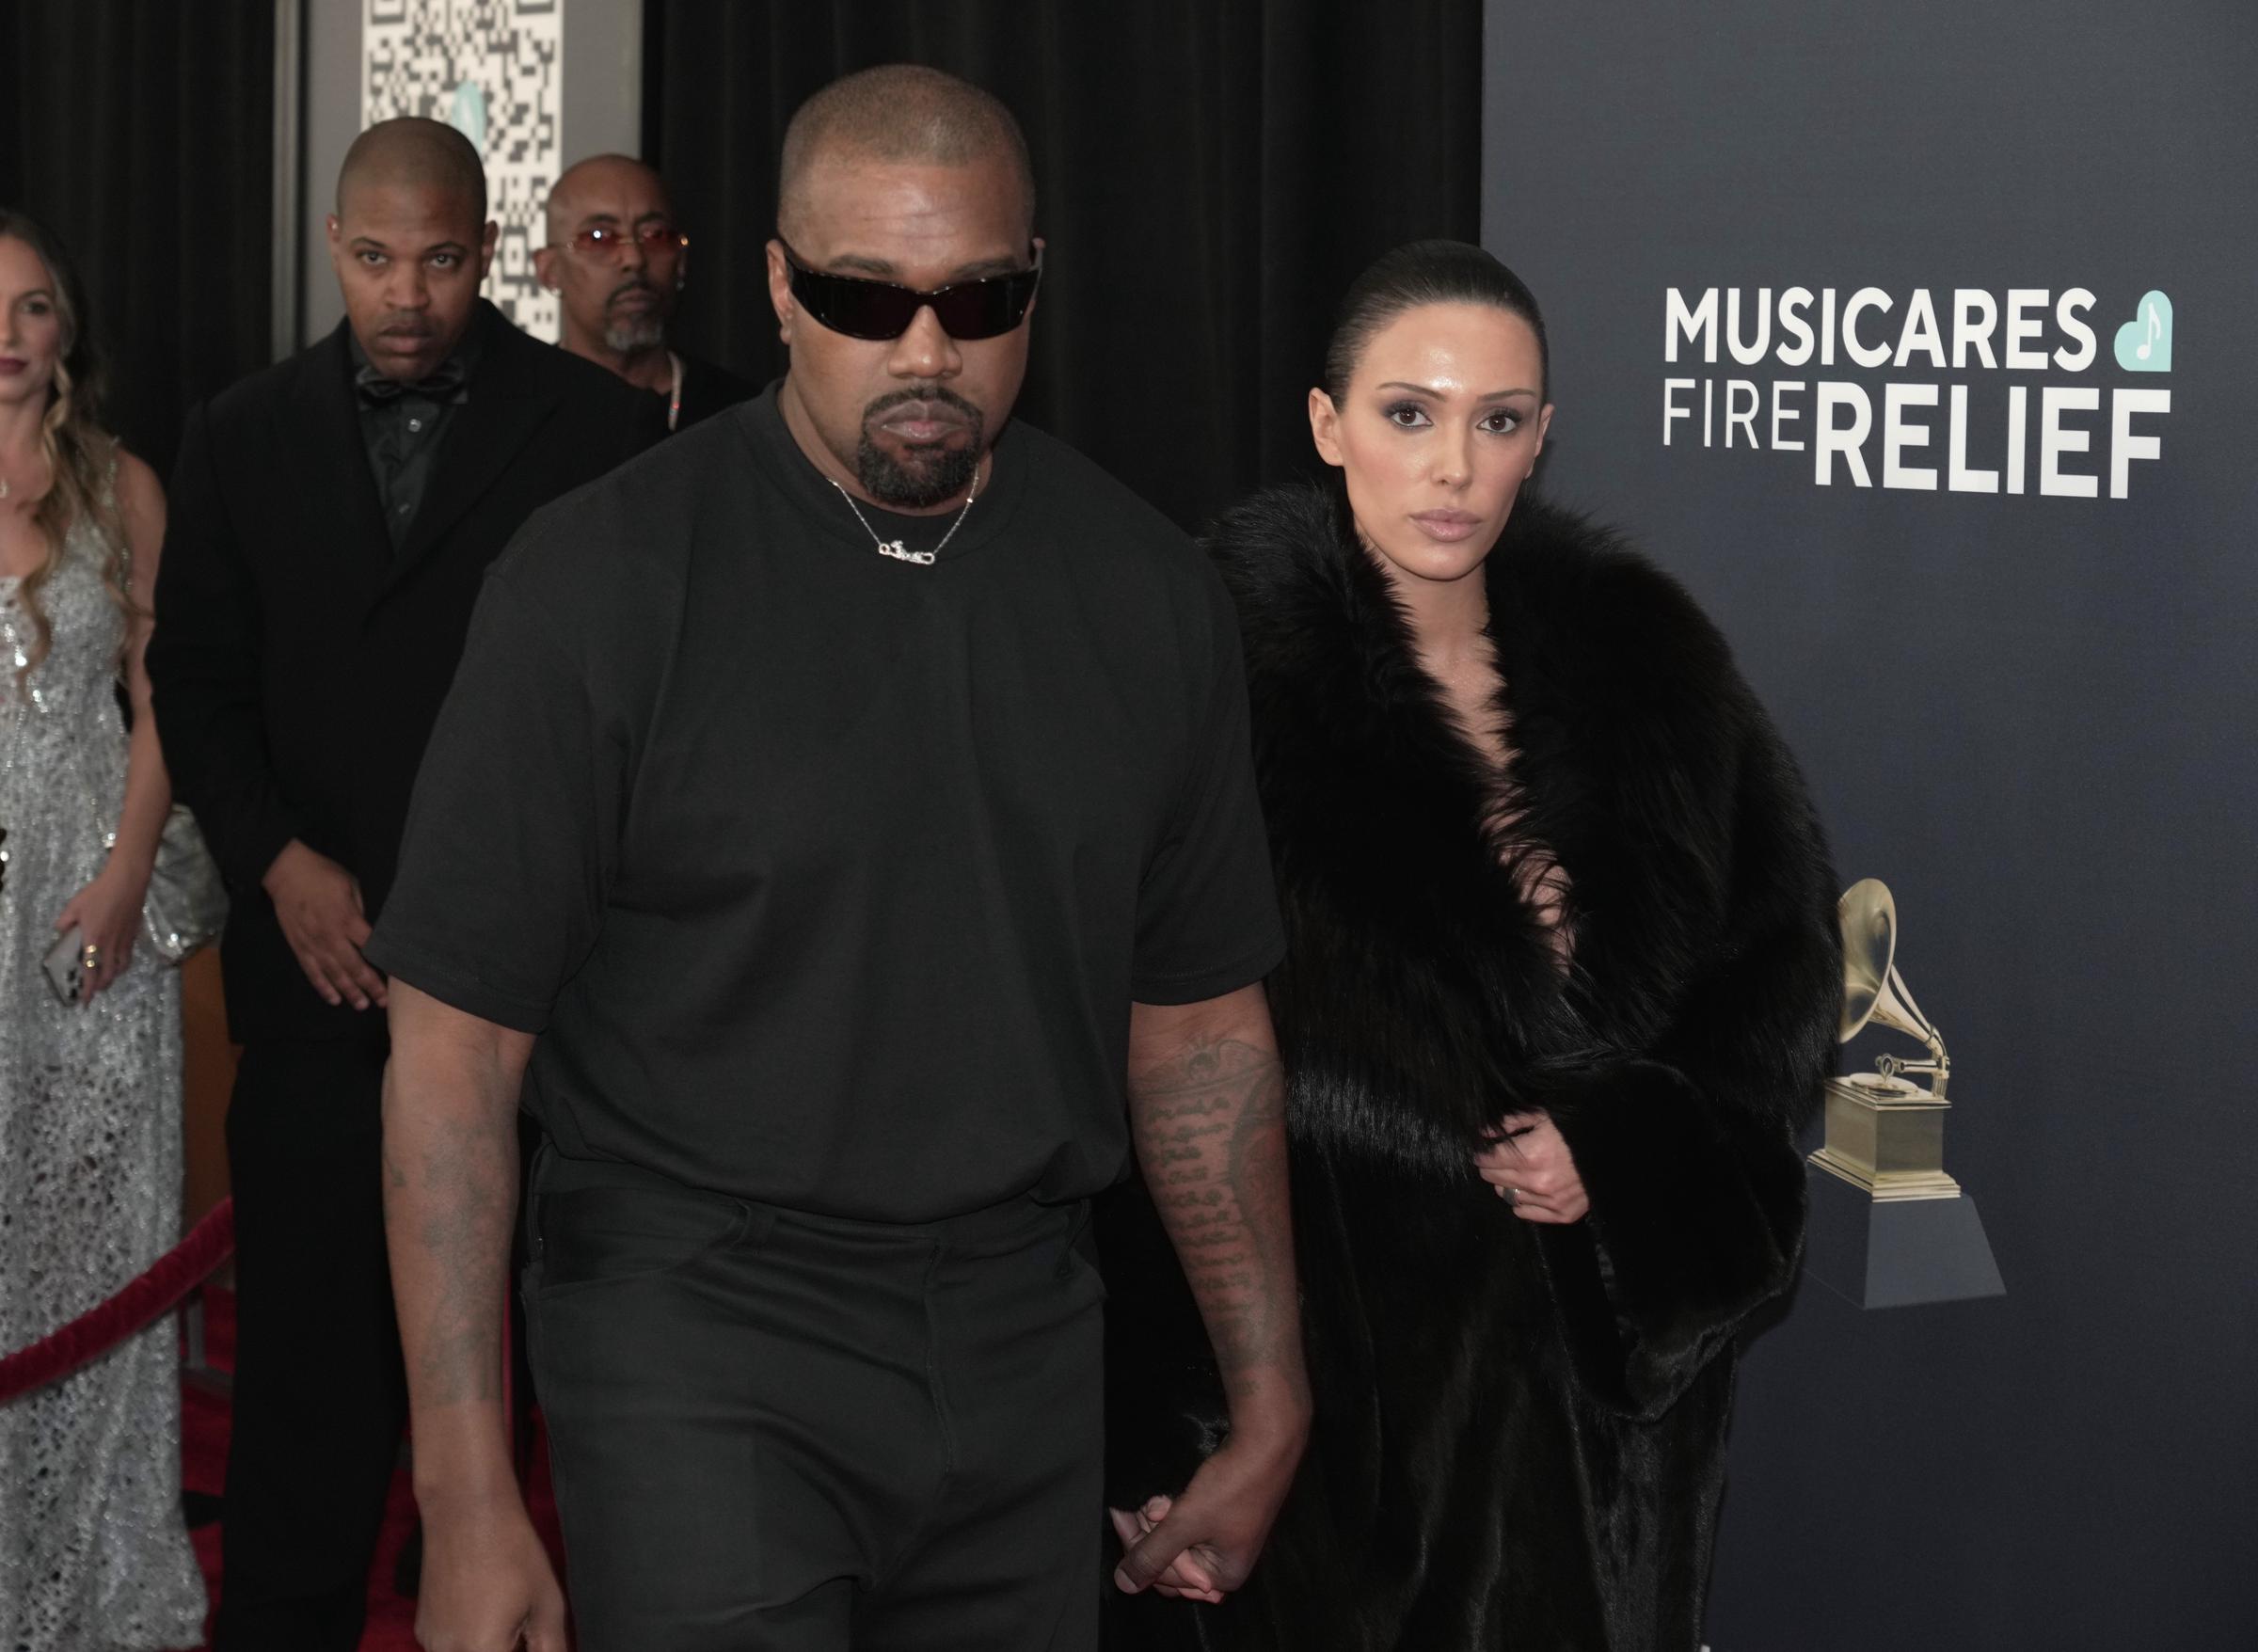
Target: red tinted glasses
[[864, 308], [606, 240]]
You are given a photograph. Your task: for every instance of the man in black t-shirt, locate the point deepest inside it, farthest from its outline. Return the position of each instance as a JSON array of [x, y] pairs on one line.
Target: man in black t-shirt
[[837, 814]]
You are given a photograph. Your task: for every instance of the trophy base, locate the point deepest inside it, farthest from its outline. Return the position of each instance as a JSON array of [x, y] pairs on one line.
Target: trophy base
[[1887, 1137], [1875, 1252], [1888, 1185]]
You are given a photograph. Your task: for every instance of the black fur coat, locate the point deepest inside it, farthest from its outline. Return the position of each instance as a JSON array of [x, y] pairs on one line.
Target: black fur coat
[[1520, 1430]]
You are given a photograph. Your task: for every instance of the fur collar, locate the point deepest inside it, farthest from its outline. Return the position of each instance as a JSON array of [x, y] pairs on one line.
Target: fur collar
[[1417, 974], [1419, 999]]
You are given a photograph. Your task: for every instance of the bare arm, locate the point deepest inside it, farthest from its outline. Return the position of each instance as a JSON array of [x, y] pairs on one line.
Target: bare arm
[[449, 1196], [107, 912], [148, 791], [1207, 1109]]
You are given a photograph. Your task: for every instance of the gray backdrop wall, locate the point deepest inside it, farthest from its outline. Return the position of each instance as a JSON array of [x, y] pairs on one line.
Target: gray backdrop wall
[[2025, 701], [561, 79]]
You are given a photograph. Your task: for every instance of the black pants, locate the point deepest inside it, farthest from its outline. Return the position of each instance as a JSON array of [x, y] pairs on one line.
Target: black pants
[[778, 1433], [320, 1395]]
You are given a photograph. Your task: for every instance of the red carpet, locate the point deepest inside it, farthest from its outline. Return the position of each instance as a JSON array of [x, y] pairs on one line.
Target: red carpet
[[204, 1419]]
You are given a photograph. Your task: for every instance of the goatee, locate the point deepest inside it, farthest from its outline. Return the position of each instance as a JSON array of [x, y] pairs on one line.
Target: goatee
[[927, 476], [634, 334]]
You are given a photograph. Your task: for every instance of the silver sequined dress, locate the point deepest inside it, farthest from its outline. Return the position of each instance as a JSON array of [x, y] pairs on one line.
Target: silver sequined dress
[[93, 1554]]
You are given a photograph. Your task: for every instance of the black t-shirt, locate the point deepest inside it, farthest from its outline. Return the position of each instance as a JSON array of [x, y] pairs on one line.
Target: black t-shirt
[[828, 878]]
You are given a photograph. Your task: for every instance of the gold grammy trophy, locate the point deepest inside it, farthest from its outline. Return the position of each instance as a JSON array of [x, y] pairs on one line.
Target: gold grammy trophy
[[1885, 1132]]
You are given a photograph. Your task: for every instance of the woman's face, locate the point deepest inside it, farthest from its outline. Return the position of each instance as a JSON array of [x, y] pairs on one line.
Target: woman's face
[[31, 324], [1441, 422]]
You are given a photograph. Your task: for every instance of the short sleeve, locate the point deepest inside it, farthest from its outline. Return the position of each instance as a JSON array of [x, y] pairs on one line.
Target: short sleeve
[[510, 837], [1207, 918]]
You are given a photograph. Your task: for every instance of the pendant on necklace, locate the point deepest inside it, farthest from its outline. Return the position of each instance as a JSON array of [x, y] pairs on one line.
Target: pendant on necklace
[[895, 549], [2, 487]]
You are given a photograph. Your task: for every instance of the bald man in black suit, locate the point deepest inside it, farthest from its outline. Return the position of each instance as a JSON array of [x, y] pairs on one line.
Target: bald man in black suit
[[332, 520]]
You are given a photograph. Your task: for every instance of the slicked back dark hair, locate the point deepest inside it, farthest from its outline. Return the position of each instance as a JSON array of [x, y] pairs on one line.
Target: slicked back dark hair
[[1427, 272]]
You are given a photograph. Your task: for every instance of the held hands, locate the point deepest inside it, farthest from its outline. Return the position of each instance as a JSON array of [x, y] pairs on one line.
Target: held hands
[[488, 1584], [318, 905], [1189, 1577], [107, 916], [1201, 1546], [1528, 1166]]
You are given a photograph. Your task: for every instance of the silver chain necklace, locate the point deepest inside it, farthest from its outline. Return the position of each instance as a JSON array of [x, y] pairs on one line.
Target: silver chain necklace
[[900, 553]]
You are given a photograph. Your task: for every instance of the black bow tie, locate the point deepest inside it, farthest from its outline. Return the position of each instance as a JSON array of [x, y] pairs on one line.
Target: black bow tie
[[441, 386]]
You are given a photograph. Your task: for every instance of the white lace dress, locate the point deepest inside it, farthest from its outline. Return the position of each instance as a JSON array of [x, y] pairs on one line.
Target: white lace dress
[[94, 1556]]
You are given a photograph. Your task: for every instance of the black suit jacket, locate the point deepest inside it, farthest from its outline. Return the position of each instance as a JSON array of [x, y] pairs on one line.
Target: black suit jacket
[[297, 663], [707, 389]]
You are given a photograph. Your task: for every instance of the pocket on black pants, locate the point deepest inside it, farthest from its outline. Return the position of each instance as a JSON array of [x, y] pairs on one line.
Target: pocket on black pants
[[588, 1236]]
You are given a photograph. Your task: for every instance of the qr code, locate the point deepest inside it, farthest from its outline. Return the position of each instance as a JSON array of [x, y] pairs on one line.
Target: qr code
[[493, 69]]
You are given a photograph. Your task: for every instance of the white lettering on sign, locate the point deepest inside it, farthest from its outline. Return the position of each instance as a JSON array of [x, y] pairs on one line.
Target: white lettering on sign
[[1969, 436]]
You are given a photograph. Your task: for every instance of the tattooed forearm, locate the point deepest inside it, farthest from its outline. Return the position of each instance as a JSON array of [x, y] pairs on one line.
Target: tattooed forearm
[[1209, 1119], [462, 1201], [450, 1190]]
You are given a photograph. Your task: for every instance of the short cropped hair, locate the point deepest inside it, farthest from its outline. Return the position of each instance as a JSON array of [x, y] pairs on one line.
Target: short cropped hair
[[417, 152], [903, 112]]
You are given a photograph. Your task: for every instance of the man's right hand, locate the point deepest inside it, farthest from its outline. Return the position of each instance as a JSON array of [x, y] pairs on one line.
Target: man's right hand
[[488, 1585], [318, 905], [1203, 1544]]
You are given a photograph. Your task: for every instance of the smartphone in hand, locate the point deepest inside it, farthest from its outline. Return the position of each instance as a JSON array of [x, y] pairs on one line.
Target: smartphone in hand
[[66, 966]]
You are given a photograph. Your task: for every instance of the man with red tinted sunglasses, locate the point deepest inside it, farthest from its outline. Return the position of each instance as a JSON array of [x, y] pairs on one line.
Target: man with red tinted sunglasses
[[617, 263], [839, 816]]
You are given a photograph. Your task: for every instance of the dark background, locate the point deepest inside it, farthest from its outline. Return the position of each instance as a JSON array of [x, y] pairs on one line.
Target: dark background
[[2031, 716], [142, 135]]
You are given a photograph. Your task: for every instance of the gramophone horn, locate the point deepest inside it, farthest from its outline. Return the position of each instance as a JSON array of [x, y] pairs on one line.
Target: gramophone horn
[[1872, 988], [1869, 942]]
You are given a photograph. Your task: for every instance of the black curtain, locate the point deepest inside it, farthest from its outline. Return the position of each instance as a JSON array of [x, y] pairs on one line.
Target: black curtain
[[1212, 174], [142, 135]]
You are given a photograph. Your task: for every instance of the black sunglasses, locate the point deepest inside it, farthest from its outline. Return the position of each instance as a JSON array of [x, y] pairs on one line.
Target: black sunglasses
[[986, 308]]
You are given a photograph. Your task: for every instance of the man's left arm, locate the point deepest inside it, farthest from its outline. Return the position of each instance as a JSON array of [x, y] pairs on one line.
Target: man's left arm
[[1207, 1110]]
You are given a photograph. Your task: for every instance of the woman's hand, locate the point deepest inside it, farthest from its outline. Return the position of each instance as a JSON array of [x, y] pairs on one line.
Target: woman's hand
[[1186, 1578], [1529, 1165], [107, 916]]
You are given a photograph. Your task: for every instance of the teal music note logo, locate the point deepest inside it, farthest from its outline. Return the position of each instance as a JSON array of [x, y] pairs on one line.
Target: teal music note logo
[[2144, 343], [467, 114]]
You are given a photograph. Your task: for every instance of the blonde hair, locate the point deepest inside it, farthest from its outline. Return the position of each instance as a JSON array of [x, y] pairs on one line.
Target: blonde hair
[[81, 456]]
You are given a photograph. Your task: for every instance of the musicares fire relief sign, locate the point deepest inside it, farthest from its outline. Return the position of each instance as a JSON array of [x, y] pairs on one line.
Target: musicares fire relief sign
[[1866, 409]]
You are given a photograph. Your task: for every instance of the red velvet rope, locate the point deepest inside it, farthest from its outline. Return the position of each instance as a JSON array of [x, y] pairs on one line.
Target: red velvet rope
[[100, 1329]]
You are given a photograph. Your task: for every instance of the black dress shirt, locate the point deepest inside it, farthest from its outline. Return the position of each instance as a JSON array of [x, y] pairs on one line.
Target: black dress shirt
[[403, 424]]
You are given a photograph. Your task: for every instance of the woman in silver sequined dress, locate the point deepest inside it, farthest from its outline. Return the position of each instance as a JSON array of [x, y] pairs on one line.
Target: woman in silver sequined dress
[[94, 1556]]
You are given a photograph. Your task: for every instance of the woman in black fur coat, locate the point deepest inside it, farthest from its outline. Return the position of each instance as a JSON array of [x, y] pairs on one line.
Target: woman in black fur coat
[[1562, 986]]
